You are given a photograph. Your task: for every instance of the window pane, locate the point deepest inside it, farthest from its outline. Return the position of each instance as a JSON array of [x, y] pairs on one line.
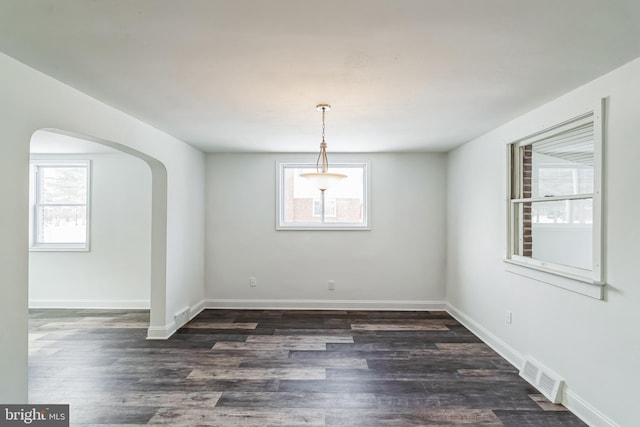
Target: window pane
[[63, 185], [62, 224], [329, 207], [299, 196], [561, 168], [560, 232], [343, 204], [317, 208]]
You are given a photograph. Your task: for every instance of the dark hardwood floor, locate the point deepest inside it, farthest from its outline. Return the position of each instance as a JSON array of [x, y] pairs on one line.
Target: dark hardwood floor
[[279, 368]]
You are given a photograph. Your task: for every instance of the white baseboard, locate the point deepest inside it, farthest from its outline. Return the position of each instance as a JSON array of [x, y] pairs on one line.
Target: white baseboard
[[161, 332], [585, 411], [196, 309], [577, 405], [580, 407], [503, 349], [290, 304], [165, 332], [117, 304]]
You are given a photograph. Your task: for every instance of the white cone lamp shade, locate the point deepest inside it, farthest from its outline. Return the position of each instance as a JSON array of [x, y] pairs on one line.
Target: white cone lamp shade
[[322, 179]]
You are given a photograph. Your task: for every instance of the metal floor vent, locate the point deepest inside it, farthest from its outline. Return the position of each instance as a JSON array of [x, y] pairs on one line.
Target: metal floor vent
[[546, 381]]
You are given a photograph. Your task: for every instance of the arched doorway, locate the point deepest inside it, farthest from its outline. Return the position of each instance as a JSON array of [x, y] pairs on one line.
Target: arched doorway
[[158, 234]]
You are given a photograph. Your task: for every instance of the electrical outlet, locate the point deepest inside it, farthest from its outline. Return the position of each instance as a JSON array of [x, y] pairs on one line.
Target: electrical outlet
[[252, 282], [332, 285], [508, 318]]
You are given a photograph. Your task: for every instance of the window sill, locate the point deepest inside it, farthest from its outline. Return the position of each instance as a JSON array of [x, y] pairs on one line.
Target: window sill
[[580, 285], [58, 249], [322, 228]]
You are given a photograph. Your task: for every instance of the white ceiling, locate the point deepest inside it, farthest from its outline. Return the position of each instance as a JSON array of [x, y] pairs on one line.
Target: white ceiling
[[242, 75]]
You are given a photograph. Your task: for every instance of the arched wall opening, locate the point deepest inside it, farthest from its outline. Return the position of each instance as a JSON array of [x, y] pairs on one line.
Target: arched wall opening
[[33, 101], [158, 229]]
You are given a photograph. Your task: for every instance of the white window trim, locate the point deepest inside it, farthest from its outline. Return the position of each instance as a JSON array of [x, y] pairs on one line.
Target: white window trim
[[34, 190], [282, 225], [586, 282]]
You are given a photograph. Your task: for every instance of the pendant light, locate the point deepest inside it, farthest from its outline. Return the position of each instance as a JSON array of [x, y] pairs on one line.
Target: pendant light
[[322, 179]]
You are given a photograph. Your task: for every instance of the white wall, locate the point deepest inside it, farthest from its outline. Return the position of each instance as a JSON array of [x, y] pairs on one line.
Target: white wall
[[30, 100], [399, 263], [115, 273], [594, 345]]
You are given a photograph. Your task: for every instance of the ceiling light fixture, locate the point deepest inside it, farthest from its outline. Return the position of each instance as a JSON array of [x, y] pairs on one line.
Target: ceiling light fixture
[[322, 179]]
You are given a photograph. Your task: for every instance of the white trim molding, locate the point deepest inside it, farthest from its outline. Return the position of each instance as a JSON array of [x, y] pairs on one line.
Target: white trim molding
[[37, 164], [593, 290], [365, 224], [576, 404], [584, 127], [502, 348], [294, 304], [161, 332], [166, 331], [116, 304], [585, 411], [195, 310]]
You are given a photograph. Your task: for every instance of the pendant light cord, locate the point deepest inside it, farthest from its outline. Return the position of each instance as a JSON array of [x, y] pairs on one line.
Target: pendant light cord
[[323, 149], [323, 111]]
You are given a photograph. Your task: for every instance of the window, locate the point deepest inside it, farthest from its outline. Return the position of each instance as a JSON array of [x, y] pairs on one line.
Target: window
[[555, 199], [60, 205], [329, 207], [303, 207]]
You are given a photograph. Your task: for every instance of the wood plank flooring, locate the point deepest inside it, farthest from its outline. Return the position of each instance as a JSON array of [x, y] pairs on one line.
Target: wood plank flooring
[[279, 368]]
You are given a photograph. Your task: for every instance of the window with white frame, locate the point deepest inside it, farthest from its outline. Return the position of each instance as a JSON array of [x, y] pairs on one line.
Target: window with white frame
[[60, 205], [301, 206], [555, 199]]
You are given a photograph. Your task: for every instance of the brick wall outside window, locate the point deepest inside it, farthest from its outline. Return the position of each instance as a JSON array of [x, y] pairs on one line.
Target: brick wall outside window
[[527, 170]]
